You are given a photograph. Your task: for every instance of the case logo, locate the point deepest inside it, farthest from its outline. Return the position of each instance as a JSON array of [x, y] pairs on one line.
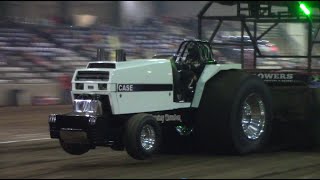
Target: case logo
[[125, 87]]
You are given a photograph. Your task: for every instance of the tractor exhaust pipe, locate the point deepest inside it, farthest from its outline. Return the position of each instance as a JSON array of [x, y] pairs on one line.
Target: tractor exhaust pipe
[[100, 54], [120, 55]]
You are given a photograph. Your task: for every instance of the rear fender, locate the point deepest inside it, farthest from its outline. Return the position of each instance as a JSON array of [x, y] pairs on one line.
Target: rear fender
[[208, 72]]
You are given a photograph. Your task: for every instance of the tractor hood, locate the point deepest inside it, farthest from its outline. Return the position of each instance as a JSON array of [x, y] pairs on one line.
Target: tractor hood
[[140, 71], [131, 86], [152, 71]]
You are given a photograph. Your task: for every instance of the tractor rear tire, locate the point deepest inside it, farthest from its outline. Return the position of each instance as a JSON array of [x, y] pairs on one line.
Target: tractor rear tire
[[233, 104]]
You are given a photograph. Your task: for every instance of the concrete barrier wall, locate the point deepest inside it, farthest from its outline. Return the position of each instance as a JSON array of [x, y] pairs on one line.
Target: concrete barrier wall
[[28, 91]]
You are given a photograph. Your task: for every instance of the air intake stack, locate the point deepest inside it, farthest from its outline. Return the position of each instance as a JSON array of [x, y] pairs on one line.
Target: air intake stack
[[101, 54], [120, 55]]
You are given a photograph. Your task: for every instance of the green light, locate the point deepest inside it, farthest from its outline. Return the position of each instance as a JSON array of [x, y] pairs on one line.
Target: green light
[[305, 9]]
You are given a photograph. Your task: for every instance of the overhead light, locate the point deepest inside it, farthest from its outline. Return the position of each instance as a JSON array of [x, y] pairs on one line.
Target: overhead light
[[305, 9]]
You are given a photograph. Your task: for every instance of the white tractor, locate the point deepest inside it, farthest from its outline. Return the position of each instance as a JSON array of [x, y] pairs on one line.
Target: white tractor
[[127, 104]]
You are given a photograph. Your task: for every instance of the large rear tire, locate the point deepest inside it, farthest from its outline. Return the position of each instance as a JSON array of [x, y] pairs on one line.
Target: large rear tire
[[142, 136], [235, 113]]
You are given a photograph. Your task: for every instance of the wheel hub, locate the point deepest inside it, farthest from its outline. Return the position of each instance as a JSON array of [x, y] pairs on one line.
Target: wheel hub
[[253, 116], [148, 137]]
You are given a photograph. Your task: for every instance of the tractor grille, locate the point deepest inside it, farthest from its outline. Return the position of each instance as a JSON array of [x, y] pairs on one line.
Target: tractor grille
[[92, 76], [104, 99], [102, 65]]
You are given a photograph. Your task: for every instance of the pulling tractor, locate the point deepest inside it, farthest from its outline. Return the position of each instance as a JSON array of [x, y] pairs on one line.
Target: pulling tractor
[[126, 104]]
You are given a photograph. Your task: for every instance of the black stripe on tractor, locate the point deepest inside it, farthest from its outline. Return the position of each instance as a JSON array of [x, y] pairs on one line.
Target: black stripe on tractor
[[144, 87]]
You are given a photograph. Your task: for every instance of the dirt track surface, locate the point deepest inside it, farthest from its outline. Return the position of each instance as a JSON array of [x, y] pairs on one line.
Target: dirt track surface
[[27, 152]]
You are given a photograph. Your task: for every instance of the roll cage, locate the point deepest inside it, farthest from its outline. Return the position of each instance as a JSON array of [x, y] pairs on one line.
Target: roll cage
[[203, 47], [262, 12]]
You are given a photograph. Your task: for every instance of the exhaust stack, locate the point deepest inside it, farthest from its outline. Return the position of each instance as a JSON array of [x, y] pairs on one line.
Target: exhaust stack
[[120, 55], [101, 54]]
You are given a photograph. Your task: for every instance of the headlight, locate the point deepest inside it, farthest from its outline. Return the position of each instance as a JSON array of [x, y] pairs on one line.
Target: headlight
[[52, 118], [102, 86], [87, 106], [79, 86]]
